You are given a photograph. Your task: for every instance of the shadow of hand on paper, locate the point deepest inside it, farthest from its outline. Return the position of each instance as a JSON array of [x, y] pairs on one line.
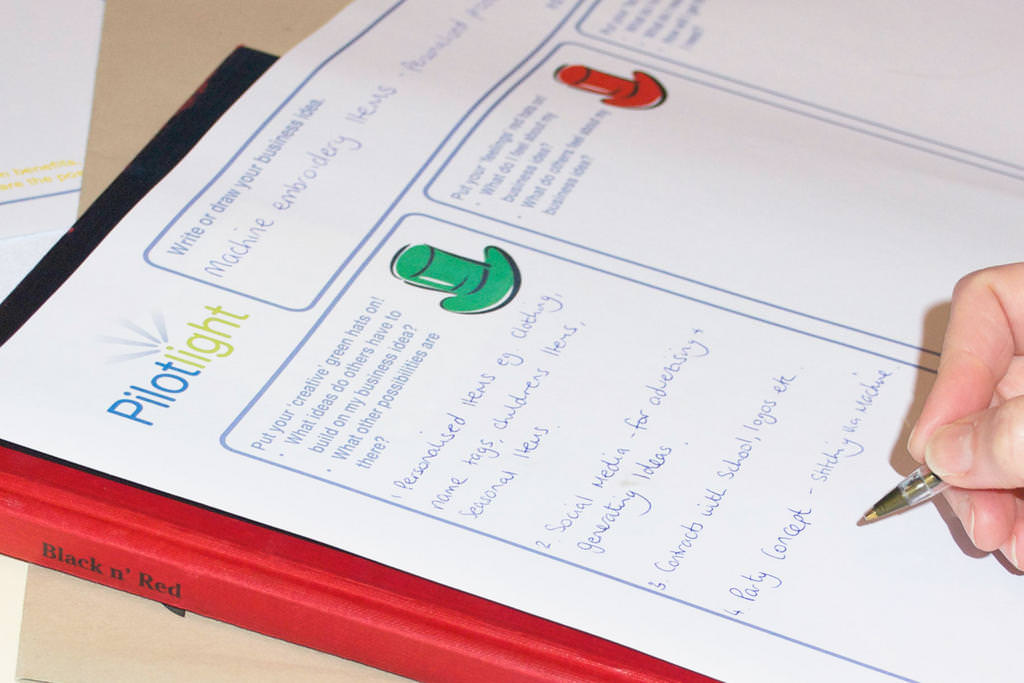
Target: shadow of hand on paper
[[932, 330]]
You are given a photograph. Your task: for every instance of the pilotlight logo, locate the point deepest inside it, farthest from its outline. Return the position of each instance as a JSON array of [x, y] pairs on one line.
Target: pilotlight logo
[[178, 367]]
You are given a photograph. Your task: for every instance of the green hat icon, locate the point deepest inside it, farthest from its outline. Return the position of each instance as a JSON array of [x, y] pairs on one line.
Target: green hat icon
[[475, 286]]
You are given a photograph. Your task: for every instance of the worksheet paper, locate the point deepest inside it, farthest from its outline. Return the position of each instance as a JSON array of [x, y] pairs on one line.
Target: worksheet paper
[[616, 312], [48, 51]]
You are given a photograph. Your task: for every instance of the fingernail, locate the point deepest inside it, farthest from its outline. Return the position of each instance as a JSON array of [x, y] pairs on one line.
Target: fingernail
[[949, 450], [1013, 552], [910, 439], [970, 526]]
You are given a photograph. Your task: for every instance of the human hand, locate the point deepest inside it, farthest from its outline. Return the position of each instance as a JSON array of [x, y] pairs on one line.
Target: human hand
[[971, 428]]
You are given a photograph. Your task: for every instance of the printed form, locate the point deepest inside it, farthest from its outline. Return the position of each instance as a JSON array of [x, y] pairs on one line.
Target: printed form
[[614, 311]]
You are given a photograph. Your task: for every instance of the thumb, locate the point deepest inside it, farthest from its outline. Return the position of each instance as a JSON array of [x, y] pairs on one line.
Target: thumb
[[983, 450]]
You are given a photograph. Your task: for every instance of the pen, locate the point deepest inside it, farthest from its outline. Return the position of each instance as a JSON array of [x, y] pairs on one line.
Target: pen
[[920, 485]]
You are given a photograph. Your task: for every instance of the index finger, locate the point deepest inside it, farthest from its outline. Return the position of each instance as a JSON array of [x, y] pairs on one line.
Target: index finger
[[985, 332]]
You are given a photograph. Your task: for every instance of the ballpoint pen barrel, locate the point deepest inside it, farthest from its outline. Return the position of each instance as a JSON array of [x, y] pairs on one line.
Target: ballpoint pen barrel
[[917, 487]]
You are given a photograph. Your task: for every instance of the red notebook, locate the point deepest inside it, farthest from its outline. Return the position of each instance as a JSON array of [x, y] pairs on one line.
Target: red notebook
[[202, 560]]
